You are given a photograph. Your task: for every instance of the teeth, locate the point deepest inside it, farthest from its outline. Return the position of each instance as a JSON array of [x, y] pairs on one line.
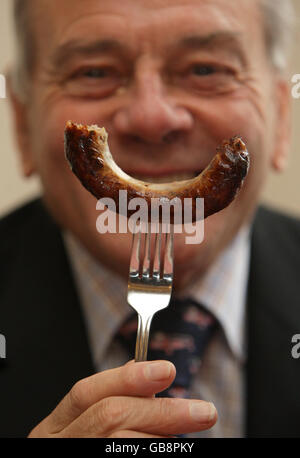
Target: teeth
[[165, 178]]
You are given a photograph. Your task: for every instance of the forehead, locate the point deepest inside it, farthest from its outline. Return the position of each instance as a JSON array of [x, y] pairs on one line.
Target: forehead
[[56, 21]]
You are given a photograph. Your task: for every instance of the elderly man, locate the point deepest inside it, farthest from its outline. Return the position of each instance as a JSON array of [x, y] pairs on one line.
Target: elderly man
[[169, 80]]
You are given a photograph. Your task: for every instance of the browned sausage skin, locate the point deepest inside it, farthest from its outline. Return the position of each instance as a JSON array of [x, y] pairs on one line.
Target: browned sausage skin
[[87, 151]]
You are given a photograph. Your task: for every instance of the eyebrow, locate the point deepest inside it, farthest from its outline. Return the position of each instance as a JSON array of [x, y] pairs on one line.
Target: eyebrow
[[77, 47], [229, 40], [74, 47]]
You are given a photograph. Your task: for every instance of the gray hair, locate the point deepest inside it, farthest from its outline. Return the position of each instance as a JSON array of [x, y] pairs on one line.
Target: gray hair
[[278, 19], [279, 23], [24, 48]]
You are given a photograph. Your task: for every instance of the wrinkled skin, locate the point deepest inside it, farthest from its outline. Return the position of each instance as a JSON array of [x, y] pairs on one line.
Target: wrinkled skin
[[167, 98]]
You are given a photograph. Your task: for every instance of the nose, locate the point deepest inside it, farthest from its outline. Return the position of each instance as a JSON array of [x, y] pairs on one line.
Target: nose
[[150, 114]]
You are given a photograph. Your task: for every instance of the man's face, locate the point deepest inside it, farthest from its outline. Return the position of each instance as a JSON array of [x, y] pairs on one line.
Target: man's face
[[169, 80]]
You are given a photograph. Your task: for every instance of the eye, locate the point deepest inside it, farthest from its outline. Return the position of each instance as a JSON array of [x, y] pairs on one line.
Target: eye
[[203, 70], [207, 77], [94, 81], [95, 73]]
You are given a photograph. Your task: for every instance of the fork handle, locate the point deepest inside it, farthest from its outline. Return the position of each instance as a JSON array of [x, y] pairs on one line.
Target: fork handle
[[142, 338]]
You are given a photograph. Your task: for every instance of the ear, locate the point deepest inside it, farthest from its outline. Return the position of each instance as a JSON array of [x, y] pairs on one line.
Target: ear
[[20, 118], [283, 126]]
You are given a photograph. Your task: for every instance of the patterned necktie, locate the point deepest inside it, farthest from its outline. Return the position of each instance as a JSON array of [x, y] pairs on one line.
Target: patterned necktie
[[180, 334]]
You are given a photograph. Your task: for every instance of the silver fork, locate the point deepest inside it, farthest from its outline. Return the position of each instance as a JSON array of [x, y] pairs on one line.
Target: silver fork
[[149, 287]]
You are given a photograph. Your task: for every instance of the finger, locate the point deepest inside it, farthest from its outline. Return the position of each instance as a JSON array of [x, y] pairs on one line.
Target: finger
[[158, 416], [136, 435], [134, 379]]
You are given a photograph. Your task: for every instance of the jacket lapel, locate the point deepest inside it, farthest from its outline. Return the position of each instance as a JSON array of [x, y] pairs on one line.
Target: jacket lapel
[[273, 376], [47, 348]]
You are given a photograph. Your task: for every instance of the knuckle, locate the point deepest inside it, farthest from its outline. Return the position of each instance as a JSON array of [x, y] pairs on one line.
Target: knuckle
[[38, 432], [111, 413], [166, 409], [120, 434], [78, 395], [129, 379]]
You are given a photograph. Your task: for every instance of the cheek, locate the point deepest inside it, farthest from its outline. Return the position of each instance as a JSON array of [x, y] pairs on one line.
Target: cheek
[[47, 130], [64, 194], [245, 117], [225, 117]]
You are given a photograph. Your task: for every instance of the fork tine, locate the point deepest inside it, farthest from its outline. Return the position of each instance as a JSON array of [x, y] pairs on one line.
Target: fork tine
[[135, 254], [168, 258], [156, 262], [147, 254]]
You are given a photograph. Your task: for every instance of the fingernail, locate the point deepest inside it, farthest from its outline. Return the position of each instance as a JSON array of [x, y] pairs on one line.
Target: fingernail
[[202, 412], [158, 371]]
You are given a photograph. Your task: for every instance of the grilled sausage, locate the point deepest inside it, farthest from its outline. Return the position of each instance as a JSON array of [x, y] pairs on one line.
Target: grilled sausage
[[88, 154]]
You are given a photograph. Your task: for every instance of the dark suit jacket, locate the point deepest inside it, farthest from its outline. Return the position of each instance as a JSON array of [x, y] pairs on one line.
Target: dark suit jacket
[[47, 347]]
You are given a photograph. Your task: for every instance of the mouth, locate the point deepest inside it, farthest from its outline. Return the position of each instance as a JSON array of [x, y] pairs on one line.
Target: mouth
[[165, 177]]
